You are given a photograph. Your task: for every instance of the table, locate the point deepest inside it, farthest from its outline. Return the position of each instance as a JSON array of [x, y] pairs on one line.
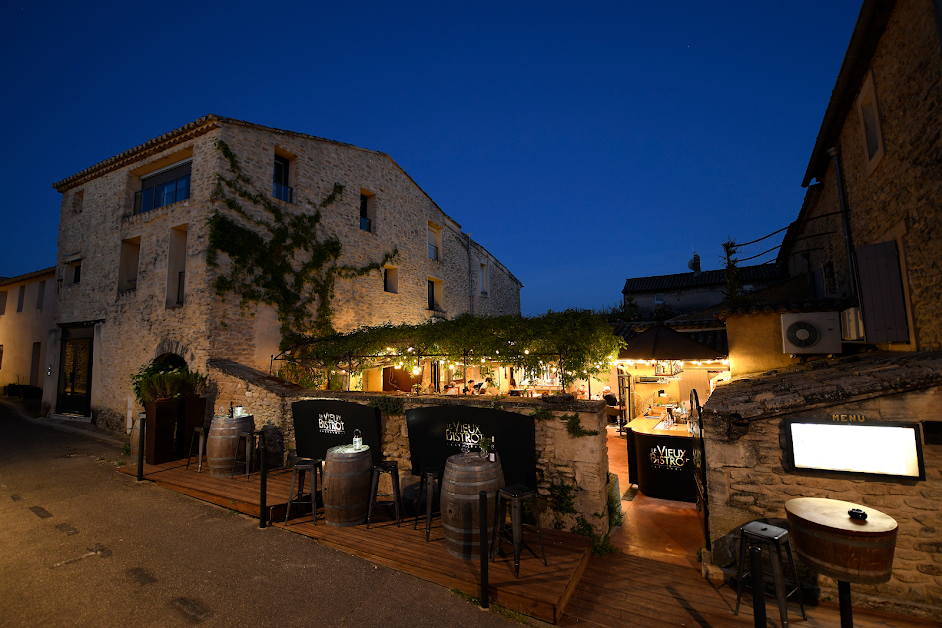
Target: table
[[660, 461], [466, 475], [844, 548]]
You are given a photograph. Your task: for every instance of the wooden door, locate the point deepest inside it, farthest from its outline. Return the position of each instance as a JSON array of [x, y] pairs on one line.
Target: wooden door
[[75, 377]]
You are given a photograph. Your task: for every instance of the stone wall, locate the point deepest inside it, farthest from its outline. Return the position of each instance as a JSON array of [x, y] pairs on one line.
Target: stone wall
[[141, 324], [901, 199], [562, 460], [748, 479]]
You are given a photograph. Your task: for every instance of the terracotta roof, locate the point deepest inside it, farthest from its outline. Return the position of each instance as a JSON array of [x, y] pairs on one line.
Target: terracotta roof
[[36, 274], [659, 283], [810, 305], [824, 383], [709, 333]]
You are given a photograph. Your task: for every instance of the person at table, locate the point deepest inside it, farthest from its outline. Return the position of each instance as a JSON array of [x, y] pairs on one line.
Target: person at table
[[488, 388], [609, 398], [579, 393], [469, 388], [451, 389]]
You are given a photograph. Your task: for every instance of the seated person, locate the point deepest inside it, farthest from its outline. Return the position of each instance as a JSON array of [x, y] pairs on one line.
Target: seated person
[[608, 397], [580, 393], [469, 387], [488, 388], [451, 389]]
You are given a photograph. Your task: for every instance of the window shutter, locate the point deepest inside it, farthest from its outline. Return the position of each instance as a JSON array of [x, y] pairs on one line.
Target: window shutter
[[881, 293]]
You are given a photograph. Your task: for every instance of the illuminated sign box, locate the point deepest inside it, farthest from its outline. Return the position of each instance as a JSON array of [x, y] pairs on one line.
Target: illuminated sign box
[[887, 449]]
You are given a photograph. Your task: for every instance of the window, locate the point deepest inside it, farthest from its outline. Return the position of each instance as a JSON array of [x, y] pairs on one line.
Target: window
[[435, 295], [75, 272], [3, 303], [127, 266], [78, 200], [163, 187], [482, 278], [35, 364], [176, 266], [42, 294], [871, 133], [434, 242], [658, 298], [280, 189], [367, 209], [391, 279], [20, 298], [747, 288]]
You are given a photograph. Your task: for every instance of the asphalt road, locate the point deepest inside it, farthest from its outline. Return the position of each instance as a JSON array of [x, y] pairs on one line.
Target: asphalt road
[[84, 545]]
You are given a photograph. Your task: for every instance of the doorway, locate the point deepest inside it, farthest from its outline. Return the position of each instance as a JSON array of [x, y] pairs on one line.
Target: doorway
[[75, 377]]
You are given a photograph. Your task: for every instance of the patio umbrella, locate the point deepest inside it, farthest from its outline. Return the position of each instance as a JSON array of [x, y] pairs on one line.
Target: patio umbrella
[[660, 342]]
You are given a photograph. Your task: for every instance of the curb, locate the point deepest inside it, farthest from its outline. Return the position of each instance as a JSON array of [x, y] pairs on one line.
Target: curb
[[15, 408]]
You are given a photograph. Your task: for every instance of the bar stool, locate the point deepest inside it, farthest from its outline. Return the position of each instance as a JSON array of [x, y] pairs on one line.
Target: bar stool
[[302, 466], [253, 437], [516, 494], [201, 433], [765, 535], [428, 476], [392, 468]]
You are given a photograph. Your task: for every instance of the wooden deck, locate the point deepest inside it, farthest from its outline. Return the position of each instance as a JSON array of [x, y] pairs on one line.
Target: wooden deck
[[541, 591], [627, 591]]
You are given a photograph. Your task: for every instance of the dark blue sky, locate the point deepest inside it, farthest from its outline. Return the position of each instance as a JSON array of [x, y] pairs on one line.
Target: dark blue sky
[[581, 144]]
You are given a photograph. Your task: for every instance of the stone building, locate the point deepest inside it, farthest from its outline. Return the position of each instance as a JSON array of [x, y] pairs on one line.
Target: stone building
[[132, 273], [696, 290], [866, 246], [874, 200], [26, 307]]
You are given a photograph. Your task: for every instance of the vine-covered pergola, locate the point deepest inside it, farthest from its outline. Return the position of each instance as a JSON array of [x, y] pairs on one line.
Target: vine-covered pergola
[[576, 343]]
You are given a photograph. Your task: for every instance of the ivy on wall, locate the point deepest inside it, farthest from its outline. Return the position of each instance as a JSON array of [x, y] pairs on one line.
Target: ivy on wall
[[279, 257], [575, 344]]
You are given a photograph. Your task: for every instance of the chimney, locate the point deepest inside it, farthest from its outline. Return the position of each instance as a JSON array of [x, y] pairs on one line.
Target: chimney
[[694, 264]]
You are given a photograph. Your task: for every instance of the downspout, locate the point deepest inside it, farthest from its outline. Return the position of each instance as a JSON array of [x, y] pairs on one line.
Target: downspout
[[835, 154]]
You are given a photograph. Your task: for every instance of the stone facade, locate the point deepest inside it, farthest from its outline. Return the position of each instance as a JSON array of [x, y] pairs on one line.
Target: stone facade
[[562, 460], [749, 478], [893, 197], [100, 231], [24, 325]]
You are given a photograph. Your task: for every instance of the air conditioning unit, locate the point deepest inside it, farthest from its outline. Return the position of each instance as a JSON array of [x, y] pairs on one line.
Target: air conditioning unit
[[811, 332], [852, 324]]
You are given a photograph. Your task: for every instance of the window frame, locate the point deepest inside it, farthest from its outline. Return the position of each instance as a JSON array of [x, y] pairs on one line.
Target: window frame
[[868, 96], [281, 186], [484, 278], [20, 298], [436, 295], [367, 211], [391, 279], [435, 234], [174, 173]]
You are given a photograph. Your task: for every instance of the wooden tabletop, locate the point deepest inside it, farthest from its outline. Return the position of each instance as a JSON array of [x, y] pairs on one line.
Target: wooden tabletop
[[645, 425], [832, 513]]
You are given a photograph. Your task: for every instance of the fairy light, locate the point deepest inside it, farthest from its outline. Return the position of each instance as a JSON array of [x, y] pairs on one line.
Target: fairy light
[[526, 352]]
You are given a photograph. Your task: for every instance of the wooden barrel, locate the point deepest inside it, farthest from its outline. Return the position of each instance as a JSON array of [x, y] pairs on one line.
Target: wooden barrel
[[465, 476], [834, 544], [347, 476], [222, 441]]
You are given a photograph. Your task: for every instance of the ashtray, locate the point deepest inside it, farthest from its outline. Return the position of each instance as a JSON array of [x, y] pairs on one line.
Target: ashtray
[[857, 513]]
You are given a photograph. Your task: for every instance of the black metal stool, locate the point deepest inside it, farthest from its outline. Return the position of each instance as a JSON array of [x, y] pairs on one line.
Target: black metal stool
[[201, 433], [516, 494], [763, 534], [302, 466], [428, 477], [252, 437], [392, 468]]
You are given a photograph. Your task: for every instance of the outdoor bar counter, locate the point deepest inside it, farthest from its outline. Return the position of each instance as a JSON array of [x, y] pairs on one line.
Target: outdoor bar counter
[[660, 458]]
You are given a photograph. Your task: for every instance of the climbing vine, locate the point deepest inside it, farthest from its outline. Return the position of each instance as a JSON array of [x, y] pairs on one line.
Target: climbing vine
[[278, 257]]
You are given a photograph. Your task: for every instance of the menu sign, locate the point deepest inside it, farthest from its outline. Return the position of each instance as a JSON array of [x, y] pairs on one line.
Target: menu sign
[[854, 444], [320, 424], [437, 432]]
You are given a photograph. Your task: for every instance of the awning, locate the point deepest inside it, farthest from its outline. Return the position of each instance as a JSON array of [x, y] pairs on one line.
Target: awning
[[660, 342]]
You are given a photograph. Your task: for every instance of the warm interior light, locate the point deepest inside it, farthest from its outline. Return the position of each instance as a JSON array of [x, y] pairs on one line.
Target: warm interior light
[[526, 352]]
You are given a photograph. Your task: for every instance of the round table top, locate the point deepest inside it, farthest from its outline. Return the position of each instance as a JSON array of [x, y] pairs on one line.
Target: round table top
[[832, 513], [348, 449], [470, 459]]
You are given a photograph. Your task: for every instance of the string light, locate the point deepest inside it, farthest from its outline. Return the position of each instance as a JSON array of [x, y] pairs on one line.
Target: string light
[[526, 352]]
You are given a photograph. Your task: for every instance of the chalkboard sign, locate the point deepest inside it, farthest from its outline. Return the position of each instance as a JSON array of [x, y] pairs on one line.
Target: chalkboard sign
[[320, 424], [437, 432]]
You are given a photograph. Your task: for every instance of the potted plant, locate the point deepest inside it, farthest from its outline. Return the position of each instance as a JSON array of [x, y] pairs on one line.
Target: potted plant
[[171, 399]]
